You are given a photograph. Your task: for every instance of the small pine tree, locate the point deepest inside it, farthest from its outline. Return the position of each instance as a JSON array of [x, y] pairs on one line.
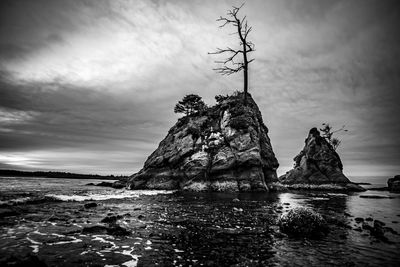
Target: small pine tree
[[190, 104]]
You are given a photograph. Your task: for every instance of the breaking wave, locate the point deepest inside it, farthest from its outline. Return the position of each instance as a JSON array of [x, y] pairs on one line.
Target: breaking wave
[[108, 195], [28, 200]]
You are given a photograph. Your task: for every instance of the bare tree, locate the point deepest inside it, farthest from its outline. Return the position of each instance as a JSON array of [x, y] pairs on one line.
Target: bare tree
[[231, 65]]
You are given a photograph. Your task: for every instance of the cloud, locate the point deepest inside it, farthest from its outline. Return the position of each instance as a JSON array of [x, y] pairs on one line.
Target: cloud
[[11, 51], [94, 83], [76, 121]]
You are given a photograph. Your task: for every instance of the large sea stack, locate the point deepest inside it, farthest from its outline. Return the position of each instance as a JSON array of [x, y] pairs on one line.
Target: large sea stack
[[318, 167], [222, 148]]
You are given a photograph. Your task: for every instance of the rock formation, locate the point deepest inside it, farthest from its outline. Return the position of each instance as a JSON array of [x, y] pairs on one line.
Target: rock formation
[[222, 148], [318, 166], [394, 184], [303, 222]]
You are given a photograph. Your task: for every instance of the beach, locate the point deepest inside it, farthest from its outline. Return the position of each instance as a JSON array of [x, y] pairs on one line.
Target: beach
[[64, 222]]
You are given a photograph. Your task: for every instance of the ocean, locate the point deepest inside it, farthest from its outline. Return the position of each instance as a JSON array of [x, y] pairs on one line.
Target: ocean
[[374, 181], [65, 222]]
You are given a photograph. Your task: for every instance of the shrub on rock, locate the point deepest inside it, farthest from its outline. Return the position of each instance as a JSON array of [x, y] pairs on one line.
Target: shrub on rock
[[303, 222]]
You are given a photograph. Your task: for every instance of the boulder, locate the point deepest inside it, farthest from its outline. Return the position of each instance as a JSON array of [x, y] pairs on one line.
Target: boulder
[[394, 184], [111, 229], [118, 184], [90, 205], [318, 167], [378, 230], [303, 222], [112, 219], [223, 148]]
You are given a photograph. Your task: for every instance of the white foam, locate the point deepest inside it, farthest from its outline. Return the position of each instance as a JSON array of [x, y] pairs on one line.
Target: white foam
[[101, 239], [33, 241], [320, 198], [112, 194], [34, 246], [73, 240], [38, 233], [15, 201], [58, 235], [133, 262]]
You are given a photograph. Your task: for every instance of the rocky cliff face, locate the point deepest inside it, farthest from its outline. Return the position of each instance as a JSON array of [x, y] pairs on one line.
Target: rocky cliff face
[[224, 148], [318, 166]]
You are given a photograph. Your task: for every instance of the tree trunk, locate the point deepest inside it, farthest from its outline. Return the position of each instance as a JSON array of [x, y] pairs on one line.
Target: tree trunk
[[245, 72]]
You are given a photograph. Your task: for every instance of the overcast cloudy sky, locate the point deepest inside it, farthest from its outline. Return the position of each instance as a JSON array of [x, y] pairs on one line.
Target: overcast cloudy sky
[[90, 86]]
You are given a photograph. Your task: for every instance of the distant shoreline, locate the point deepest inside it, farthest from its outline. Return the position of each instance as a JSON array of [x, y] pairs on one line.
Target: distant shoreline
[[60, 175]]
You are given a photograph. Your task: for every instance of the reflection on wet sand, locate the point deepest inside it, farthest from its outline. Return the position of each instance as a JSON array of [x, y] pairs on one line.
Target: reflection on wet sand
[[212, 229]]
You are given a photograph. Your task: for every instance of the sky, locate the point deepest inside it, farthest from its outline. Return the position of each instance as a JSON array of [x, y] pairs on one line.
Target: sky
[[90, 86]]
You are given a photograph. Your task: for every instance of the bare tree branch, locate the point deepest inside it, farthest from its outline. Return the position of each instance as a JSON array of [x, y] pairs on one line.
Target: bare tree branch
[[225, 70], [228, 49], [225, 21]]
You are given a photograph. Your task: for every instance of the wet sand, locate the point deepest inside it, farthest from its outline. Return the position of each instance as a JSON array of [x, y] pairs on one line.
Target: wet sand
[[187, 229]]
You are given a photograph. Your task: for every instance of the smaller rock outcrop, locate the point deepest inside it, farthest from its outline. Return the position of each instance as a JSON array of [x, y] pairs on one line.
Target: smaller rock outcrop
[[318, 167], [394, 184]]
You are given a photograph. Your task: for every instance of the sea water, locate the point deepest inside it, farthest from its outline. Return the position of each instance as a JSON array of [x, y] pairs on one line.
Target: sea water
[[47, 217]]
